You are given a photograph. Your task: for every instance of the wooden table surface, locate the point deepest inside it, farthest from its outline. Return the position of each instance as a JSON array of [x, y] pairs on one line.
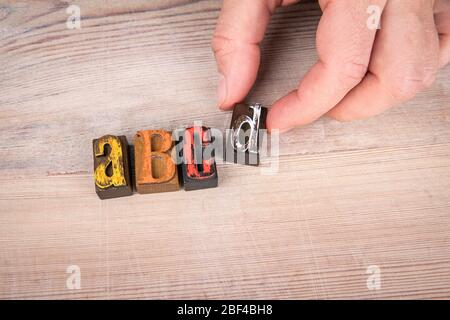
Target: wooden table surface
[[347, 197]]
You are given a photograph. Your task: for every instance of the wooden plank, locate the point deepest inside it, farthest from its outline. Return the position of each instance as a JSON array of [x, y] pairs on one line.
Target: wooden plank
[[347, 196], [312, 235]]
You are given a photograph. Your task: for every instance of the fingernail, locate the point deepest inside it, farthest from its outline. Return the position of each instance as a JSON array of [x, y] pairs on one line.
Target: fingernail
[[221, 90]]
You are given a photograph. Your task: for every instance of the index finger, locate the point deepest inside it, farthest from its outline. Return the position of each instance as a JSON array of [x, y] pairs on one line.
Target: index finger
[[344, 45]]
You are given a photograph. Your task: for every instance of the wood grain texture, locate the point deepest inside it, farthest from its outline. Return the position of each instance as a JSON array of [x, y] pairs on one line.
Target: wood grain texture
[[347, 196]]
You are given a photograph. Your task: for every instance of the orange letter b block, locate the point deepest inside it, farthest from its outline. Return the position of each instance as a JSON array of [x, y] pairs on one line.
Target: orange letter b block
[[155, 169]]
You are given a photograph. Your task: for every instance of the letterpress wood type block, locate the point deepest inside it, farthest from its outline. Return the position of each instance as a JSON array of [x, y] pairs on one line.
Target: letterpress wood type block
[[245, 136], [198, 163], [112, 167], [155, 169]]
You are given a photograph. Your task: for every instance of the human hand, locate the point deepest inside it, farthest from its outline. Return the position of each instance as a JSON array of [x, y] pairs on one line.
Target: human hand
[[360, 72]]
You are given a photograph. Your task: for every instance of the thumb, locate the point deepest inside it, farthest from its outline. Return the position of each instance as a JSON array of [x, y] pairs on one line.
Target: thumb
[[235, 43]]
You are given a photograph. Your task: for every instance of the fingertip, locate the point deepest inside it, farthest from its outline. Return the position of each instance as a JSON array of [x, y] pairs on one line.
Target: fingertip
[[222, 91], [226, 107], [223, 101], [238, 68], [278, 117], [337, 115], [282, 115]]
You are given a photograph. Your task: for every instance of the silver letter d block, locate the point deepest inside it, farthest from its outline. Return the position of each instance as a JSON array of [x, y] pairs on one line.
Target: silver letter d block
[[245, 136]]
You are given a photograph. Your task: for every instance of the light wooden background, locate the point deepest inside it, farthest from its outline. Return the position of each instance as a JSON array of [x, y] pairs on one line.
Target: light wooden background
[[347, 196]]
